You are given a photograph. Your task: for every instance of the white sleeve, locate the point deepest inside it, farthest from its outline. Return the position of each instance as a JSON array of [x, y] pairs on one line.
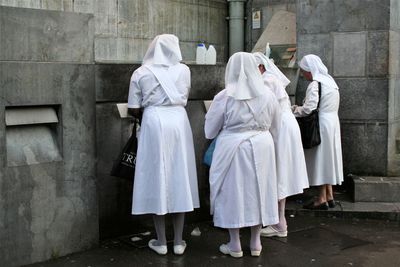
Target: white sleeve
[[310, 102], [215, 115], [135, 94], [276, 120]]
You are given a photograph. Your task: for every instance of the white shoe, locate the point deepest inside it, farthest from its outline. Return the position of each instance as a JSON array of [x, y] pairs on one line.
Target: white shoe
[[270, 231], [180, 249], [161, 250], [224, 248], [255, 253]]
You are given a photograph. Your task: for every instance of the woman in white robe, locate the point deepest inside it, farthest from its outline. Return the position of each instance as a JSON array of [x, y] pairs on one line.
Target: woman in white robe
[[290, 162], [243, 189], [324, 162], [165, 176]]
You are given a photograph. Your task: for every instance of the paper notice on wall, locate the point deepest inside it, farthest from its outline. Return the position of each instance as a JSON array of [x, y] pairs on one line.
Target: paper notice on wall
[[256, 20]]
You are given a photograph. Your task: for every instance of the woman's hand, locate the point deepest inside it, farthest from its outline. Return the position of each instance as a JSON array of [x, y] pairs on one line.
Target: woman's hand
[[294, 108], [136, 113]]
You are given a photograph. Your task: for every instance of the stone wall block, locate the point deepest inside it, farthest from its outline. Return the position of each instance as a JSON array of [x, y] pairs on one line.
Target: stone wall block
[[395, 15], [315, 16], [106, 18], [378, 14], [48, 36], [394, 54], [317, 44], [84, 6], [378, 53], [364, 148], [18, 3], [349, 54], [52, 5], [393, 149], [33, 83], [363, 99], [112, 81], [207, 81]]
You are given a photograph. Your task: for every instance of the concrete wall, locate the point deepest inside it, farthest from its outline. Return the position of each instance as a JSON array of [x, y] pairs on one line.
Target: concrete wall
[[394, 90], [352, 38], [124, 28], [48, 203]]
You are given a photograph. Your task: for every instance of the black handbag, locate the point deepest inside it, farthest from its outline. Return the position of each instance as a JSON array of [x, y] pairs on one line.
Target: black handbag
[[124, 166], [309, 126]]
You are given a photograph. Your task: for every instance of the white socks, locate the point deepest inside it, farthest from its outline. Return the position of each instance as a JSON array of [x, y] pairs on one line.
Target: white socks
[[159, 225], [234, 242], [255, 241], [178, 220]]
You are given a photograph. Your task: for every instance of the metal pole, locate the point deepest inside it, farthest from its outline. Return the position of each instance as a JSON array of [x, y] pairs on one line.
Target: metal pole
[[236, 26]]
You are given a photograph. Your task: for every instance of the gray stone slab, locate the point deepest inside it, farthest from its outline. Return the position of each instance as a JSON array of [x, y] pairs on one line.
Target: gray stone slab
[[394, 54], [41, 83], [363, 99], [378, 53], [23, 4], [207, 81], [315, 16], [359, 15], [394, 15], [41, 35], [323, 16], [84, 6], [349, 54], [351, 15], [394, 149], [317, 44], [379, 13], [106, 18], [396, 97], [376, 189], [364, 148], [78, 111], [52, 5], [112, 81]]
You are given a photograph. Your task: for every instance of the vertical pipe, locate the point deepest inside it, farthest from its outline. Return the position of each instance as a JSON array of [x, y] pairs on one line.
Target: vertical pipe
[[236, 26]]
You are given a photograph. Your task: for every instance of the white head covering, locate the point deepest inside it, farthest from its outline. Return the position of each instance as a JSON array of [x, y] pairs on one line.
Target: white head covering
[[242, 77], [163, 50], [271, 68], [319, 71]]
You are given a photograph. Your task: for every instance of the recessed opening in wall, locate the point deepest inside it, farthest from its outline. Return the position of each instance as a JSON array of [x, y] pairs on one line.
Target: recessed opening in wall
[[33, 135]]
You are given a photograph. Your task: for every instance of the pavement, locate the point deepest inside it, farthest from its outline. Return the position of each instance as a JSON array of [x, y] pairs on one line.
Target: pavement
[[312, 241]]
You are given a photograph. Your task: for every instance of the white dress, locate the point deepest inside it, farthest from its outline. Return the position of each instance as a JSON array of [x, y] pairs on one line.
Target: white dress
[[243, 189], [324, 162], [290, 161], [165, 175]]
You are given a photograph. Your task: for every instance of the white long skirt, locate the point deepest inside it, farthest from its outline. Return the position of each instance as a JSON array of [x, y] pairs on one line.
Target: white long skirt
[[324, 162], [165, 175], [243, 181], [291, 164]]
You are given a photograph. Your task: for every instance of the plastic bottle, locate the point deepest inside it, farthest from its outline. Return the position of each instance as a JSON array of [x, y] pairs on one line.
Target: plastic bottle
[[211, 55], [201, 54]]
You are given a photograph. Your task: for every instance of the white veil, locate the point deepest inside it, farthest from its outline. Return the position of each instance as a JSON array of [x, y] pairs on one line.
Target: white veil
[[319, 71], [242, 77], [271, 68], [163, 50]]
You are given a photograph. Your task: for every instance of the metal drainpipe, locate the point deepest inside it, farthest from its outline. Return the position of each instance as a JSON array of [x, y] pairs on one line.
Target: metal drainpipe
[[236, 26]]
